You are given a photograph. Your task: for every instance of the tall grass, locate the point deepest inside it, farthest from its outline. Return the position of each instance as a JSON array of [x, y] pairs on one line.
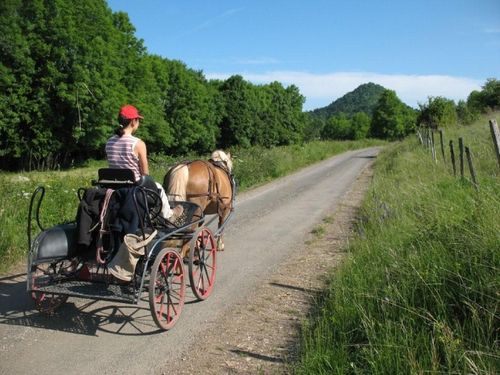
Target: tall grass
[[252, 166], [419, 290], [59, 205]]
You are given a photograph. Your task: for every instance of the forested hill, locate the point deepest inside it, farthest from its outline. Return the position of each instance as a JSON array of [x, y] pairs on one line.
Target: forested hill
[[363, 99]]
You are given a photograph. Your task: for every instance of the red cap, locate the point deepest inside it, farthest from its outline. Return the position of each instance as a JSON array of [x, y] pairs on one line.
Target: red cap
[[129, 112]]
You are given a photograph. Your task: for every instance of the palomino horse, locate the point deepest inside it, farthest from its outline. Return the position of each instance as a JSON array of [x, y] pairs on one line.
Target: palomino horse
[[209, 184]]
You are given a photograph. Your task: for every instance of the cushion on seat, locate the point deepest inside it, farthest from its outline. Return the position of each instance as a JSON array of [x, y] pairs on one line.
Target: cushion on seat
[[114, 177], [58, 242]]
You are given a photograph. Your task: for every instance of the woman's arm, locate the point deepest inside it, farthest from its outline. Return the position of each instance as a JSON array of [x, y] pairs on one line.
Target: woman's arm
[[142, 154]]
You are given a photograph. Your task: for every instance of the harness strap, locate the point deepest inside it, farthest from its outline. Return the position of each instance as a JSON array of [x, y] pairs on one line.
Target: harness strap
[[103, 230], [213, 186]]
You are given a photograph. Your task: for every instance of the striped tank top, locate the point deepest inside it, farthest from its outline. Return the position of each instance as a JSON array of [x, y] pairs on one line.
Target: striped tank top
[[120, 153]]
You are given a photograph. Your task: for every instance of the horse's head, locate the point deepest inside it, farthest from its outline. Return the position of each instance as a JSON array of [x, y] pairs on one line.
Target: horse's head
[[221, 156]]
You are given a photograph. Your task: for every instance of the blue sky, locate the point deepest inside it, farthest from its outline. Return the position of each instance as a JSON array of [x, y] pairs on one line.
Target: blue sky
[[418, 48]]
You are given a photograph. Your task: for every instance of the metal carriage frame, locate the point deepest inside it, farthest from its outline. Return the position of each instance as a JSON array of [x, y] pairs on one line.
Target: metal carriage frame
[[186, 246]]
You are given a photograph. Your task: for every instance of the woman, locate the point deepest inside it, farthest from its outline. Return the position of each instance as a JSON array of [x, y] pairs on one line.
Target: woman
[[125, 151]]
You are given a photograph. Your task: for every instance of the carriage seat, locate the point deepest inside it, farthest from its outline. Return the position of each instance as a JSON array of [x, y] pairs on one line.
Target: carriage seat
[[114, 178], [58, 242]]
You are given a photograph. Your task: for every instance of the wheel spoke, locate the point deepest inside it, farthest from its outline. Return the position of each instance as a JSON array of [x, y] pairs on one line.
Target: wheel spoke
[[202, 263], [171, 303], [208, 276], [160, 312], [162, 268], [169, 316], [159, 298], [202, 282], [168, 274], [175, 294], [209, 266]]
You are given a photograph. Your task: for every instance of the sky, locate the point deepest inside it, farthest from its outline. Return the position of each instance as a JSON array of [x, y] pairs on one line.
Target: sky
[[418, 48]]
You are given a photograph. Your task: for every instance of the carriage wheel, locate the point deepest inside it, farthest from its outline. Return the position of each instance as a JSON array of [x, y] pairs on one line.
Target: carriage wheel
[[43, 275], [167, 288], [202, 264]]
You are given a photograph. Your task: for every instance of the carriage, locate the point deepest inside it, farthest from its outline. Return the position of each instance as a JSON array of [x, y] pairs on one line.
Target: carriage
[[160, 255]]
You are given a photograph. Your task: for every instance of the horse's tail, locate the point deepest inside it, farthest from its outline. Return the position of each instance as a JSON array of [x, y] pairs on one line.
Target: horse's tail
[[176, 181]]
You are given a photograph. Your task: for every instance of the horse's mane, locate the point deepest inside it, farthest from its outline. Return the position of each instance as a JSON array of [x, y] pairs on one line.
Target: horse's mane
[[221, 156]]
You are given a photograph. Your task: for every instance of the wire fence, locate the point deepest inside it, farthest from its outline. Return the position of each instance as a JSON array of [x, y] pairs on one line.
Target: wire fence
[[427, 137]]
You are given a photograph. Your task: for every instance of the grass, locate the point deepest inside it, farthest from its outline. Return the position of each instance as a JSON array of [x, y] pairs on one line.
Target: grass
[[252, 167], [418, 291], [318, 231]]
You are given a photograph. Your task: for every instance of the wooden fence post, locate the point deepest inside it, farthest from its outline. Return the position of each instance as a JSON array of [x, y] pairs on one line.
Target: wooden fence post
[[461, 155], [433, 148], [420, 137], [452, 155], [471, 167], [441, 140], [495, 134]]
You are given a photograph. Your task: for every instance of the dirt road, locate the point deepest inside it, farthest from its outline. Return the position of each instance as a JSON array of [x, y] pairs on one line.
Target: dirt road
[[268, 228]]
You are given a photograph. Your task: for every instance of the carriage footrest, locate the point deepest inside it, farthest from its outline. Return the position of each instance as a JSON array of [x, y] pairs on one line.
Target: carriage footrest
[[91, 290]]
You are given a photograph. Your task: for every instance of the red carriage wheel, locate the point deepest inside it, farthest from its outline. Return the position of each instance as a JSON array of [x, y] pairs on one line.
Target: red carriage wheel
[[43, 275], [167, 288], [202, 265]]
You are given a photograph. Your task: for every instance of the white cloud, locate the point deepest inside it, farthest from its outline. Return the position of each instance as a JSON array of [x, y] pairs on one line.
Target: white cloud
[[321, 89]]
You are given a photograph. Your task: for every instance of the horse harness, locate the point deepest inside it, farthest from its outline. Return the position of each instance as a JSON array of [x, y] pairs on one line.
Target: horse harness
[[213, 185]]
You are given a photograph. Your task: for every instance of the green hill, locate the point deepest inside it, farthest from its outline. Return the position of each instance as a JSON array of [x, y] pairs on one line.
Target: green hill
[[362, 99]]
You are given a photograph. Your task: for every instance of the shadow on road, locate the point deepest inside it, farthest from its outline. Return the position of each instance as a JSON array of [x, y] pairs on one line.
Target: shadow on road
[[297, 288], [262, 357], [77, 316]]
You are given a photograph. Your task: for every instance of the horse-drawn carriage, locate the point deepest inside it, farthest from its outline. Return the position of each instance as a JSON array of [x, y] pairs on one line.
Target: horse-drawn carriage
[[157, 257]]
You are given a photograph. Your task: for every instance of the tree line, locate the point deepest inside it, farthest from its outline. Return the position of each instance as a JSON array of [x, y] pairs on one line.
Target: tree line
[[66, 67], [386, 116], [440, 112]]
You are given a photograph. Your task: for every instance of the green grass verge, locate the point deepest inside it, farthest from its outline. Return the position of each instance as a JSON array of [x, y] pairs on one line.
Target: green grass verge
[[252, 167], [418, 291]]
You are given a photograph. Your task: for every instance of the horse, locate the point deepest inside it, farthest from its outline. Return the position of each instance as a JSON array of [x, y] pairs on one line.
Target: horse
[[209, 184]]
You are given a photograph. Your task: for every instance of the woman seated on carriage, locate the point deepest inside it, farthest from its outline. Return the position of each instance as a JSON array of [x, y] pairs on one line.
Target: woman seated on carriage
[[125, 151]]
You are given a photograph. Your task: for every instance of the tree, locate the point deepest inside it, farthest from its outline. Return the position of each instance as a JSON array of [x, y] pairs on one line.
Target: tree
[[190, 110], [66, 67], [486, 99], [313, 127], [360, 125], [16, 69], [491, 94], [464, 114], [280, 110], [438, 112], [391, 118], [337, 127], [237, 125]]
